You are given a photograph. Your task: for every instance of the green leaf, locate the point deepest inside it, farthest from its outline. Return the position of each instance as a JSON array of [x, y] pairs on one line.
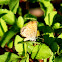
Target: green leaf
[[19, 11], [54, 46], [10, 44], [8, 35], [3, 24], [34, 51], [23, 60], [40, 26], [49, 18], [1, 32], [9, 17], [29, 17], [3, 27], [60, 36], [56, 26], [48, 40], [44, 52], [57, 19], [47, 31], [13, 5], [51, 58], [8, 57], [30, 47], [46, 3], [20, 22], [18, 47], [4, 2], [26, 59], [46, 6]]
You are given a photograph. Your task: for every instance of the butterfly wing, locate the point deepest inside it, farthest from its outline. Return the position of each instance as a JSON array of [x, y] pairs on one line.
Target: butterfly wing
[[30, 31]]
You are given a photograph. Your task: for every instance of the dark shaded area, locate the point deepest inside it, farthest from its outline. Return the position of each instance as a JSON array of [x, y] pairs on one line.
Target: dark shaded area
[[2, 50], [23, 6]]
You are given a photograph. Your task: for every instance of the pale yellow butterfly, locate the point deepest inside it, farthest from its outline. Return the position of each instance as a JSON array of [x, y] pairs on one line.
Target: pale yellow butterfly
[[29, 31]]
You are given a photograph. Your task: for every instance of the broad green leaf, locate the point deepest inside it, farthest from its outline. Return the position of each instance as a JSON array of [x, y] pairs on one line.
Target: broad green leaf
[[3, 24], [4, 2], [30, 47], [34, 51], [23, 60], [20, 22], [8, 57], [44, 52], [3, 27], [60, 36], [46, 3], [13, 5], [18, 47], [46, 6], [16, 60], [9, 17], [3, 11], [49, 18], [56, 26]]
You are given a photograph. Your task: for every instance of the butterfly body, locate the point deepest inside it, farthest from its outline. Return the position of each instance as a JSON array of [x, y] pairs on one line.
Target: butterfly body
[[30, 31]]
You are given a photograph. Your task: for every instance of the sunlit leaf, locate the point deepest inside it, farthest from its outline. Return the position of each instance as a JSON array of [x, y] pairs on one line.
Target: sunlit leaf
[[49, 18], [44, 52], [8, 57], [18, 47], [13, 5], [56, 26], [34, 51], [4, 26], [20, 22], [60, 36], [4, 2]]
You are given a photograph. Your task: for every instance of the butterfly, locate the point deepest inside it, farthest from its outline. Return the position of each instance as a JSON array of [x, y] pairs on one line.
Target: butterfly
[[29, 31]]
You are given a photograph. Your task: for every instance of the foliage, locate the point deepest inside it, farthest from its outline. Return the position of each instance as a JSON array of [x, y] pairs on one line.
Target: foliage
[[49, 41]]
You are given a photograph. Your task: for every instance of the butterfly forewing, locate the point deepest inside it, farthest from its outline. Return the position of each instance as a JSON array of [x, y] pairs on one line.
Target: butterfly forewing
[[30, 30]]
